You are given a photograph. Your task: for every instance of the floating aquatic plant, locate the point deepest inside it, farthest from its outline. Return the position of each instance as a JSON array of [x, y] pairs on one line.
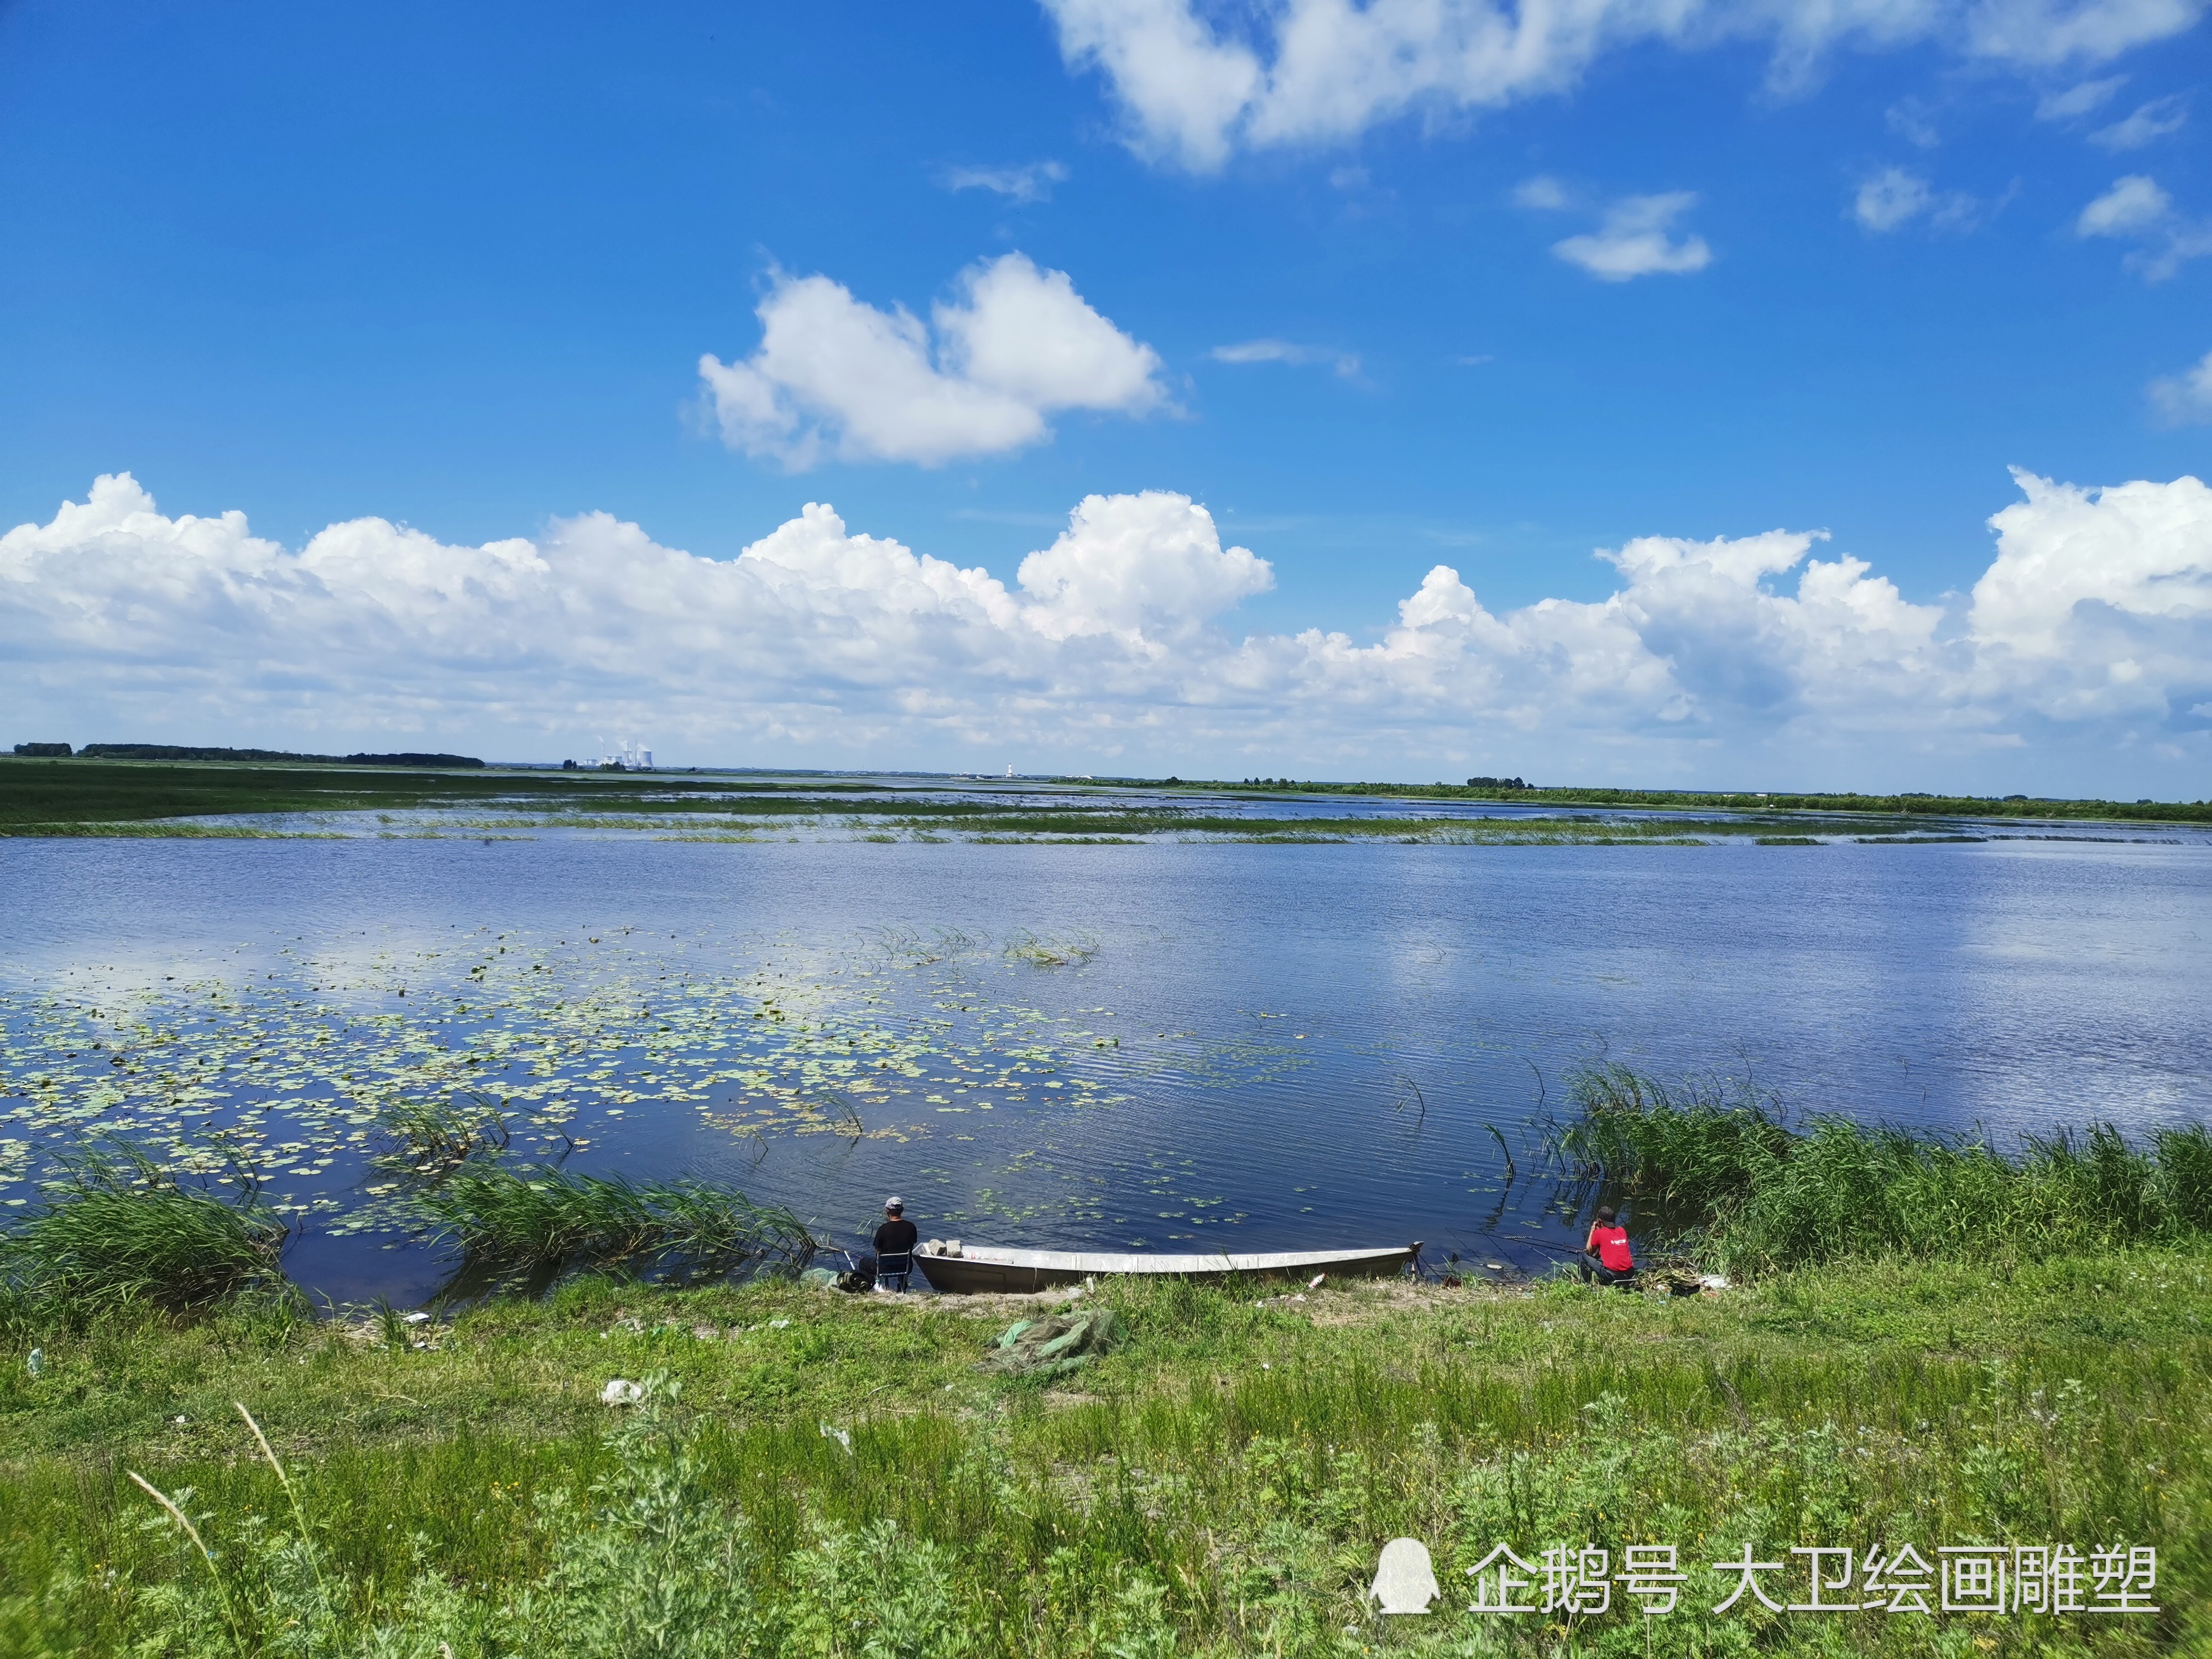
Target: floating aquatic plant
[[1051, 952]]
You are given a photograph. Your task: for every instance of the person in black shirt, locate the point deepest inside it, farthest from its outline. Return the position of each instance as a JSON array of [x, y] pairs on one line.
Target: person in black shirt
[[895, 1242]]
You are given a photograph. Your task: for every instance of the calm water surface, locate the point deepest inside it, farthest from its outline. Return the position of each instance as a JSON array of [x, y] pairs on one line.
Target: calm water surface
[[1256, 1047]]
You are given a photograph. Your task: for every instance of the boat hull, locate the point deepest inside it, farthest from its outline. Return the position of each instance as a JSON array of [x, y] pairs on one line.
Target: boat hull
[[981, 1268]]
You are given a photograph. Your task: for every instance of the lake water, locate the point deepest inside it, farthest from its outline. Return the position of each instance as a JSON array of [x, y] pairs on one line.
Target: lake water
[[1168, 1046]]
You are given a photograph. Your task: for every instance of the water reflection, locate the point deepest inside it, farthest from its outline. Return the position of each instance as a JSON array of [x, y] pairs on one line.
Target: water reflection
[[1272, 1047]]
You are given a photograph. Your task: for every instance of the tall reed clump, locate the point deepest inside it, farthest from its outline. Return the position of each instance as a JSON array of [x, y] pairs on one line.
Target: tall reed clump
[[545, 1218], [427, 1137], [115, 1228], [1730, 1175]]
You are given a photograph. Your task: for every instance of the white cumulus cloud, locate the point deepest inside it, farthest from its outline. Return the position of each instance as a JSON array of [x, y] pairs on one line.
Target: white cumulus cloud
[[2099, 601], [1147, 569], [836, 377], [1198, 83], [1112, 649], [1636, 237]]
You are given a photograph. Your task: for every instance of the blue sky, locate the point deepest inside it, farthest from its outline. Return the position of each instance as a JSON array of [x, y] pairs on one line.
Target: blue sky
[[455, 268]]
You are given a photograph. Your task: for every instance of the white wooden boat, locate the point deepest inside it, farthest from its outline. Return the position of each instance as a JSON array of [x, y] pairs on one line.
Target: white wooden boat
[[963, 1268]]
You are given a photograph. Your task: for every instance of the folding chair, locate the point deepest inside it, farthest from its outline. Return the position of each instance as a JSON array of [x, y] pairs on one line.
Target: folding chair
[[893, 1270]]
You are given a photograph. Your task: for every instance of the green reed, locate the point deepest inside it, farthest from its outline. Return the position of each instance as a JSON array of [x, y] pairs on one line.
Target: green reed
[[542, 1219], [429, 1137], [1729, 1173], [114, 1228]]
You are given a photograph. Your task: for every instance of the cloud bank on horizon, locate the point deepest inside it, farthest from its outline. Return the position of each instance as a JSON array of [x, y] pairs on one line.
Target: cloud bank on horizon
[[2089, 636]]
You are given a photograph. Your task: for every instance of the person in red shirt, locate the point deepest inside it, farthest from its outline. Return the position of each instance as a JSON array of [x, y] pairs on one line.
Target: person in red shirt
[[1605, 1256]]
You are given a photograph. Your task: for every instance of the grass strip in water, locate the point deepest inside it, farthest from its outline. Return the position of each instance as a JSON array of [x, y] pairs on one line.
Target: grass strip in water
[[84, 797]]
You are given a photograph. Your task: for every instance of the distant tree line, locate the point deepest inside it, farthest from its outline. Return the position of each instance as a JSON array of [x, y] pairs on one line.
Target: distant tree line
[[169, 751]]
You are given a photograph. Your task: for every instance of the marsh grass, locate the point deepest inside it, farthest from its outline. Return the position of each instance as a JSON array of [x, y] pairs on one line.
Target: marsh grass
[[100, 797], [114, 1228], [839, 1113], [1730, 1174], [434, 1137], [1050, 951], [542, 1220], [943, 945]]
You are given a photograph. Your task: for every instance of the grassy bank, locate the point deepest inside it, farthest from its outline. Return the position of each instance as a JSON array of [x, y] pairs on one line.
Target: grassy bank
[[831, 1475]]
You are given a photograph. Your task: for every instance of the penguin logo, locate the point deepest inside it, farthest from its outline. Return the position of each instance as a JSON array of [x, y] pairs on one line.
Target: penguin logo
[[1404, 1582]]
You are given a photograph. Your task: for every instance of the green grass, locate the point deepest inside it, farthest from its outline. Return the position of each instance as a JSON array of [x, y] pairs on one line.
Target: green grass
[[47, 797], [114, 1230], [1750, 1191], [544, 1219], [1222, 1484]]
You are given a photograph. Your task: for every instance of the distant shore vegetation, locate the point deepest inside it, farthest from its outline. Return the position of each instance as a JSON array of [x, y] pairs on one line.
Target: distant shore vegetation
[[154, 790]]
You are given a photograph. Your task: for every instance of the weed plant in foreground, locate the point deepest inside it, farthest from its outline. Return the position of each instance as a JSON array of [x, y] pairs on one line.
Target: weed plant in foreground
[[823, 1475], [1749, 1191]]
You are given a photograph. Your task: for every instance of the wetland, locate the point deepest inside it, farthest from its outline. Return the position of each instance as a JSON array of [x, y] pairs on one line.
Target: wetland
[[1058, 1016], [281, 1059]]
